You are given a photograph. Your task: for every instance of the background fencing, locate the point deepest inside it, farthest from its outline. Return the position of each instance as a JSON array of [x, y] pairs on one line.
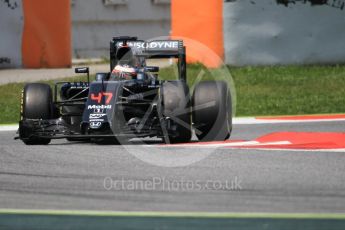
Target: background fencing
[[41, 33], [11, 27], [267, 32], [94, 23], [35, 33]]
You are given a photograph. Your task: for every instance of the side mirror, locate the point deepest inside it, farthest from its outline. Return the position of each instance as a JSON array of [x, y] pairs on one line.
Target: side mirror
[[83, 70], [152, 69]]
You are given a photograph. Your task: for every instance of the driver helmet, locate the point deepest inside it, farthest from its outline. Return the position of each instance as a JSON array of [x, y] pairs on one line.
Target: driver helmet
[[124, 72]]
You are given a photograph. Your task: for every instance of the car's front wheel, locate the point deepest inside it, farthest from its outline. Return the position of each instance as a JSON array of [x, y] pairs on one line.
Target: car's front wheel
[[36, 103]]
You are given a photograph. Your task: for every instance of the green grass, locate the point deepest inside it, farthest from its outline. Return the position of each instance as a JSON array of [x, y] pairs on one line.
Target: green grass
[[278, 90], [10, 102], [10, 99], [290, 90]]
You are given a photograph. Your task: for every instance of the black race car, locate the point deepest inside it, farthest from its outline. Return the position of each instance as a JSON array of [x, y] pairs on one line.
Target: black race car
[[129, 101]]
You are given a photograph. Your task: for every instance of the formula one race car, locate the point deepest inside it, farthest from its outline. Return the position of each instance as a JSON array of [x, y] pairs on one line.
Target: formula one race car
[[128, 102]]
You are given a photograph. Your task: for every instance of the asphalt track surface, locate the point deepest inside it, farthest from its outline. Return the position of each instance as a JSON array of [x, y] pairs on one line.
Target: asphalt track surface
[[71, 176]]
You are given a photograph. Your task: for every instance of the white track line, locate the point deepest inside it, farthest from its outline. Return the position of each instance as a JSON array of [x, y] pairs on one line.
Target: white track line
[[295, 150], [230, 144], [211, 145], [253, 120], [4, 128]]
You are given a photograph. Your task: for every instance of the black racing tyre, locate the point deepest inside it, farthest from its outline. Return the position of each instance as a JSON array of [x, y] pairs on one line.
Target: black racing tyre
[[212, 111], [37, 104], [176, 105]]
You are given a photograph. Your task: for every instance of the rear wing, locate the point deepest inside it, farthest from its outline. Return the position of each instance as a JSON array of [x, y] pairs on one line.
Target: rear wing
[[151, 50]]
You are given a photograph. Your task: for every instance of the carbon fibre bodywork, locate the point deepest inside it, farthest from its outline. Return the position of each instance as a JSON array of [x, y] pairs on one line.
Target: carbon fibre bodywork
[[106, 107]]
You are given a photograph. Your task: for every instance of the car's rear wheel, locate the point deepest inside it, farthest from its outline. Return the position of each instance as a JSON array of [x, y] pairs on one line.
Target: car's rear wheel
[[36, 104], [175, 102], [212, 111]]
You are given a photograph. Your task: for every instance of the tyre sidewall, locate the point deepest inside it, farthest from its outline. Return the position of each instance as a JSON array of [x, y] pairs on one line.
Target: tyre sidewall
[[212, 111], [176, 104]]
